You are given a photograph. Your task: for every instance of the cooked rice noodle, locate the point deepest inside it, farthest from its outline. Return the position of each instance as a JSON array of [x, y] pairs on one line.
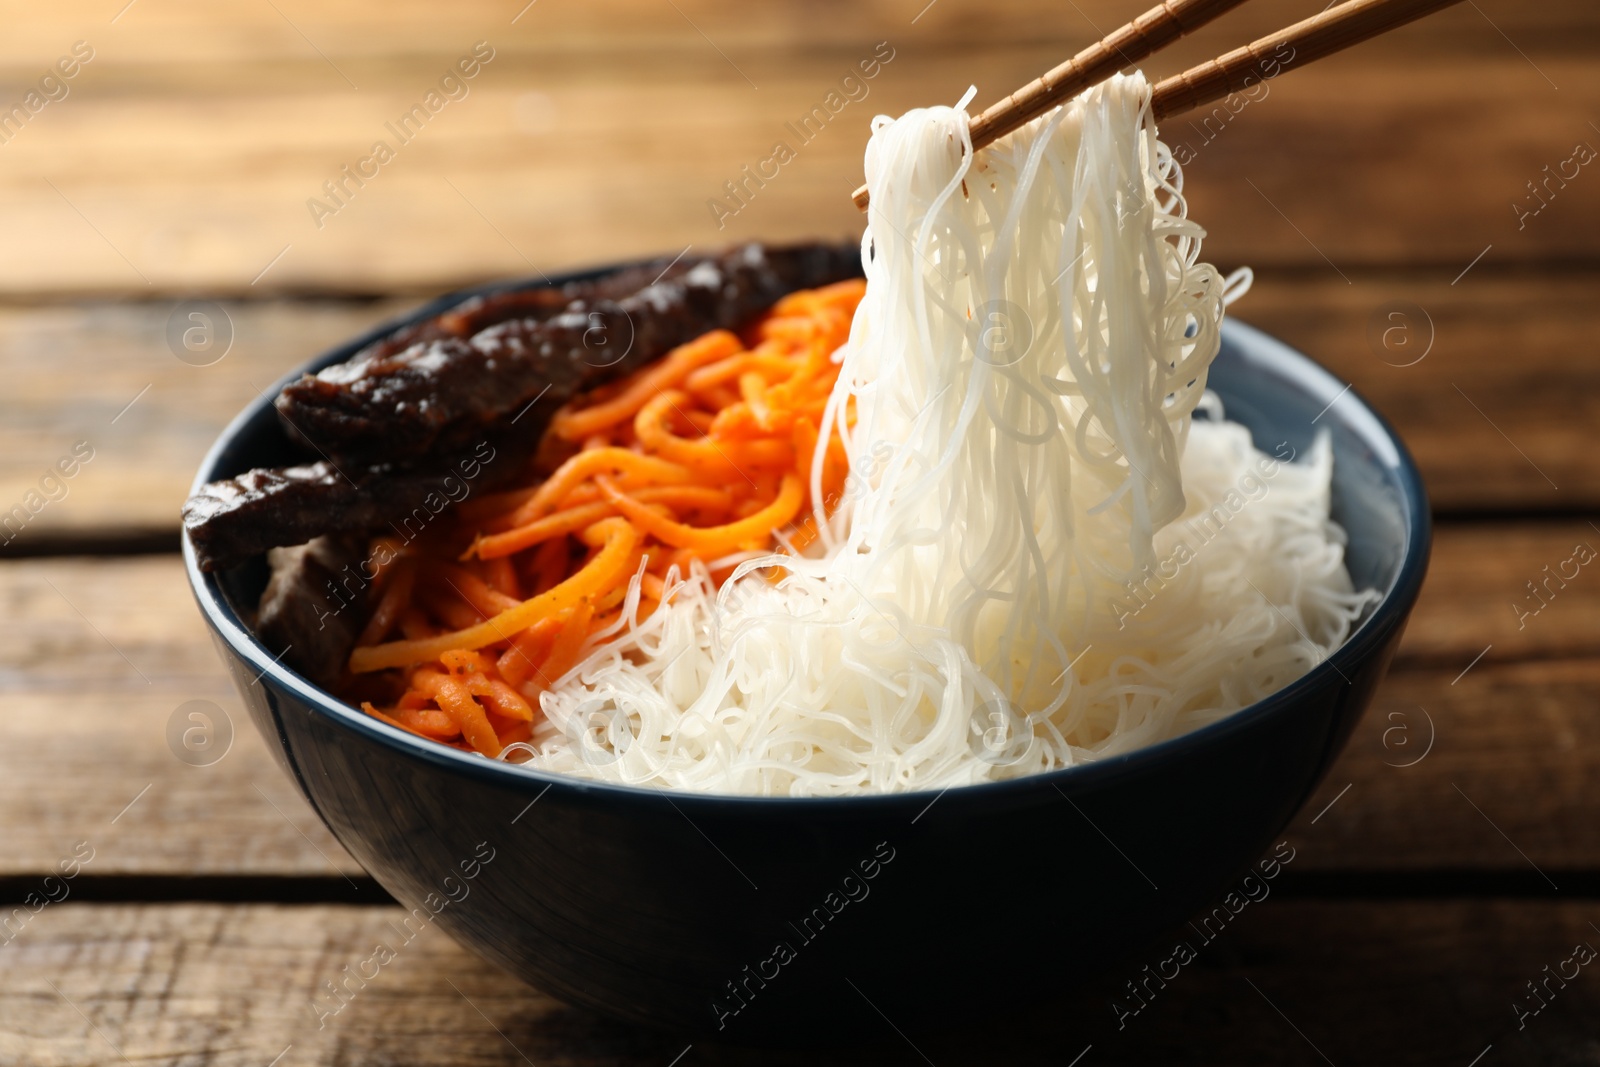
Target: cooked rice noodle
[[1042, 557]]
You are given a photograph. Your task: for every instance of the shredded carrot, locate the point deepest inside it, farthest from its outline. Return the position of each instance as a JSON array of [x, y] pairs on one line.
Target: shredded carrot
[[483, 597], [501, 574], [549, 565], [598, 574], [456, 701], [564, 653], [434, 725], [705, 452], [714, 540], [521, 659], [574, 426], [586, 465], [573, 519], [394, 600]]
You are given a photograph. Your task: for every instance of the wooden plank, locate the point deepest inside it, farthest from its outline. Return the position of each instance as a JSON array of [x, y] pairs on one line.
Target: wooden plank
[[1481, 376], [554, 158], [1494, 772], [345, 30], [1477, 594], [1287, 982], [98, 656], [106, 375], [1497, 406]]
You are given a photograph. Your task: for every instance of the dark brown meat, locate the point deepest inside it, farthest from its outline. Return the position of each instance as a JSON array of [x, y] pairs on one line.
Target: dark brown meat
[[480, 312], [401, 428], [231, 520], [442, 393], [314, 605]]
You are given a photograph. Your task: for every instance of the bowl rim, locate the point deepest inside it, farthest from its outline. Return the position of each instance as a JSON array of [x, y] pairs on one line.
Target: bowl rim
[[1390, 612]]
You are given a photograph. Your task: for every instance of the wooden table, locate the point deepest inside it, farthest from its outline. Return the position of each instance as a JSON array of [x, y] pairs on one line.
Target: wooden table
[[1452, 855]]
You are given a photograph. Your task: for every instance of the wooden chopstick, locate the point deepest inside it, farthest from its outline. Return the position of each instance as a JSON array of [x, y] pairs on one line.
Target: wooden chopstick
[[1310, 39], [1320, 35], [1144, 36]]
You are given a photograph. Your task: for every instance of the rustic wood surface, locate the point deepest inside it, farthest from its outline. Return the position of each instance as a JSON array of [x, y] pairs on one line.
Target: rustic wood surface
[[1452, 853], [1291, 981], [186, 151]]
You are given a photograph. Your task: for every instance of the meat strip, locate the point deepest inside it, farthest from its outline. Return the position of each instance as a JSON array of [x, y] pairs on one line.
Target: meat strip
[[441, 393], [311, 612], [405, 431], [480, 312], [231, 520]]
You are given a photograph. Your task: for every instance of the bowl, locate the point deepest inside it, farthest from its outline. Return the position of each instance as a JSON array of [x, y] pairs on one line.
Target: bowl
[[762, 920]]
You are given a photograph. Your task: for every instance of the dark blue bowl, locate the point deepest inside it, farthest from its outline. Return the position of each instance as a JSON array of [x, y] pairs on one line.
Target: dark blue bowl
[[764, 919]]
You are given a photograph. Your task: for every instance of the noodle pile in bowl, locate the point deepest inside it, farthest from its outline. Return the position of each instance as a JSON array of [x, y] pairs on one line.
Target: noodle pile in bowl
[[1039, 556]]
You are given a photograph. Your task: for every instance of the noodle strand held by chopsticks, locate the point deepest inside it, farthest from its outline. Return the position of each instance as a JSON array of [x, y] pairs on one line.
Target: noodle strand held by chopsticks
[[1023, 552]]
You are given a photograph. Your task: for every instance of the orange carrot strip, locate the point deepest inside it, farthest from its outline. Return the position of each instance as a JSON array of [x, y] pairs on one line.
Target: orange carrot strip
[[501, 575], [753, 387], [844, 295], [455, 701], [608, 600], [713, 540], [586, 465], [433, 725], [411, 700], [685, 496], [804, 435], [618, 541], [550, 565], [763, 360], [719, 398], [564, 653], [521, 661], [764, 452], [477, 592], [429, 721], [800, 302], [561, 523], [650, 425], [571, 520], [443, 604], [499, 698], [734, 419], [469, 511], [466, 661], [586, 493], [394, 600], [576, 425], [510, 731], [791, 330]]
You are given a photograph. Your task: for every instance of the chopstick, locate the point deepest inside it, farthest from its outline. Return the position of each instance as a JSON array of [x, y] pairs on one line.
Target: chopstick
[[1310, 39], [1320, 35], [1144, 36]]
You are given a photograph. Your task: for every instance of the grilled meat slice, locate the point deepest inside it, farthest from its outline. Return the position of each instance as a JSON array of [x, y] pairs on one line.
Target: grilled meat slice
[[441, 393]]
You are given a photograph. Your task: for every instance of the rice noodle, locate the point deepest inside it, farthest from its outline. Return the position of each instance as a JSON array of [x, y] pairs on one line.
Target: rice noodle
[[1042, 558]]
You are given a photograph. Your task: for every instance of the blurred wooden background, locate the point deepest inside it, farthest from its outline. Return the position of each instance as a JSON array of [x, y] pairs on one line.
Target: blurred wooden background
[[177, 167]]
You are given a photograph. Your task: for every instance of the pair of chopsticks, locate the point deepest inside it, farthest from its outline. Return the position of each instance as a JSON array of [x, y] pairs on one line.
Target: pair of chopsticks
[[1311, 39]]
